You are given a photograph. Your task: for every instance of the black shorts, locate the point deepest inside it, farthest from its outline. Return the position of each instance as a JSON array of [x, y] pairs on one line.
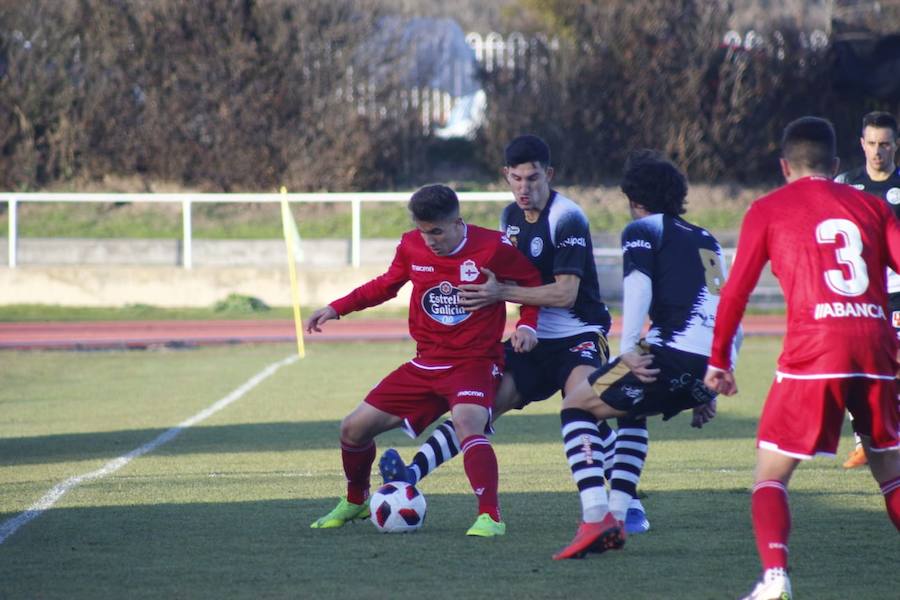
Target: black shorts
[[894, 309], [541, 373], [679, 385]]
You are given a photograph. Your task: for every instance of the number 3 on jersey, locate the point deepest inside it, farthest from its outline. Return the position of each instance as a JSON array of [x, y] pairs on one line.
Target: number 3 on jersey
[[849, 255]]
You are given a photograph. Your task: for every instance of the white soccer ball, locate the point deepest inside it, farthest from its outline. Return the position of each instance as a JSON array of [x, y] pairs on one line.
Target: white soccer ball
[[397, 507]]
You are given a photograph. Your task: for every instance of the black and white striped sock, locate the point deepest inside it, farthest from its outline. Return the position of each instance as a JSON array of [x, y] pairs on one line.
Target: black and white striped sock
[[584, 451], [608, 445], [632, 442], [441, 446]]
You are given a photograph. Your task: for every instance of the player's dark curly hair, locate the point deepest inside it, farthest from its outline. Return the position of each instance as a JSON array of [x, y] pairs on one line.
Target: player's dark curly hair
[[434, 203], [652, 181]]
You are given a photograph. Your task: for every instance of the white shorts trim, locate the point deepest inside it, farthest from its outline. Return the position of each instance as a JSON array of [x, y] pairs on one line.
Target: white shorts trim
[[890, 449], [779, 375], [431, 368], [772, 447]]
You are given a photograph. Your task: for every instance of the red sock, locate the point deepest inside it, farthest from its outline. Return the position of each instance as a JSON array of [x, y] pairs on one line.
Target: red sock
[[891, 491], [771, 523], [480, 463], [357, 467]]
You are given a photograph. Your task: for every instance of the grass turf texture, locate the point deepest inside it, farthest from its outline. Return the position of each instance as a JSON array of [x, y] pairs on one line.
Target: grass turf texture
[[224, 509]]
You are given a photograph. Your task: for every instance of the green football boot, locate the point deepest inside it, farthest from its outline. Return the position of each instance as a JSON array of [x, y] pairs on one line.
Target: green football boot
[[344, 512], [485, 526]]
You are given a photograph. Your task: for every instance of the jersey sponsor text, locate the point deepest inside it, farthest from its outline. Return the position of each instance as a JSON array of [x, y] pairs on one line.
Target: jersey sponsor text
[[441, 303], [637, 244], [849, 309]]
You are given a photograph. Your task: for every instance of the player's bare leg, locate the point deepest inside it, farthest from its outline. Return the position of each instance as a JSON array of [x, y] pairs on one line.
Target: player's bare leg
[[443, 443], [885, 467], [358, 431]]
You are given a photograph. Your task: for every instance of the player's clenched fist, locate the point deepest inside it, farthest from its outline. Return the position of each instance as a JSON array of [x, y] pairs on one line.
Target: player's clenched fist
[[719, 381]]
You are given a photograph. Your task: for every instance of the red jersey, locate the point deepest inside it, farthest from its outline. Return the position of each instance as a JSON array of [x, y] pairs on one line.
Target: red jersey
[[439, 325], [828, 244]]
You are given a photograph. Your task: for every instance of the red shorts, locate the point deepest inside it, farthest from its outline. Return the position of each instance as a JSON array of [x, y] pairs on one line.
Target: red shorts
[[420, 393], [803, 417]]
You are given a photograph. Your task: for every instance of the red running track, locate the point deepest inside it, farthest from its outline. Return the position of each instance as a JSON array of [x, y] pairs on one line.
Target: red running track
[[103, 335]]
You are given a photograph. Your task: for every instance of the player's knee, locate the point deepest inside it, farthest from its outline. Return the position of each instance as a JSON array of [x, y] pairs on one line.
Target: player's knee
[[354, 431], [469, 422], [884, 465]]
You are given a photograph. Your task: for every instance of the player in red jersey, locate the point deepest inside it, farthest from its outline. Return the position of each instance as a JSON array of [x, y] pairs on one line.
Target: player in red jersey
[[828, 244], [459, 356]]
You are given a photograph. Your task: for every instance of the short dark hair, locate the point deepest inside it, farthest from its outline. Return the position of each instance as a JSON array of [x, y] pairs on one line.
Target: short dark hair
[[527, 149], [654, 182], [809, 142], [434, 203], [880, 119]]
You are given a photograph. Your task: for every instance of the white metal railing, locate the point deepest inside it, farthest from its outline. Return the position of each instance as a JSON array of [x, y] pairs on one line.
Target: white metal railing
[[186, 200]]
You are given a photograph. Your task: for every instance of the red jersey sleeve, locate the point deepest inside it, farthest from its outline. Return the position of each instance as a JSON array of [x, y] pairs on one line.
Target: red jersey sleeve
[[509, 264], [752, 255], [381, 289]]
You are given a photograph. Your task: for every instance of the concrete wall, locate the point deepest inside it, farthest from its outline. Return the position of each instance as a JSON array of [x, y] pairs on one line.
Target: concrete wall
[[94, 285], [73, 272]]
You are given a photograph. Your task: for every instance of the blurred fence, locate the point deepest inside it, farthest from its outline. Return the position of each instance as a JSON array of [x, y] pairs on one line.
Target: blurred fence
[[528, 58]]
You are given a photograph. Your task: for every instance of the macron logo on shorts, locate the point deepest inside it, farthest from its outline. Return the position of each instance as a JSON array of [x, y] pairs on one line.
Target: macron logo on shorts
[[464, 393]]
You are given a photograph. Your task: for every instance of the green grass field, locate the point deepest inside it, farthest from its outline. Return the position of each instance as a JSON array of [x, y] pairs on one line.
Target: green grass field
[[223, 509]]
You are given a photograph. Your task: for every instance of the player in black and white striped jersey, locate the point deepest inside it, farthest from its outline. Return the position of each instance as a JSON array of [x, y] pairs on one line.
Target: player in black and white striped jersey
[[554, 233], [672, 274]]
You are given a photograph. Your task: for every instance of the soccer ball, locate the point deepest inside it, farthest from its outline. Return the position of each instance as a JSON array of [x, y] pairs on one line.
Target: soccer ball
[[397, 507]]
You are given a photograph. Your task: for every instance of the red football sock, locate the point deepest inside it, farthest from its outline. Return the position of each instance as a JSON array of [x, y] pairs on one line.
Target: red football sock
[[480, 463], [771, 523], [891, 491], [358, 468]]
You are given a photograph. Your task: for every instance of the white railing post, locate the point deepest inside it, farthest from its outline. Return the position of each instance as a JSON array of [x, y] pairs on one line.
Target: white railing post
[[13, 232], [355, 233], [187, 251]]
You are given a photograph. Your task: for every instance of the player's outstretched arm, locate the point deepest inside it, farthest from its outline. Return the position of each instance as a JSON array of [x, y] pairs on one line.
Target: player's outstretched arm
[[720, 381], [318, 318], [561, 293]]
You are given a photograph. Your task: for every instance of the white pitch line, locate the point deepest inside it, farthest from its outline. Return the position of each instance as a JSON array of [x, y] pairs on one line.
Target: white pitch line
[[59, 490]]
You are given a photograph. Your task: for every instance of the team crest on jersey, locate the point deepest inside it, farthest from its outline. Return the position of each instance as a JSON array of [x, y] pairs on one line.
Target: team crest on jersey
[[468, 271], [893, 195], [586, 349], [537, 246], [441, 303]]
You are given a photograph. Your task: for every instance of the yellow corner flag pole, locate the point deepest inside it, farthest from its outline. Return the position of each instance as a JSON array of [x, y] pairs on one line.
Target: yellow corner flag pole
[[292, 241]]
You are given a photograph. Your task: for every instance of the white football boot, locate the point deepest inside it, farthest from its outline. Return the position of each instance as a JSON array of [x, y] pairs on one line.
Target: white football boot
[[775, 585]]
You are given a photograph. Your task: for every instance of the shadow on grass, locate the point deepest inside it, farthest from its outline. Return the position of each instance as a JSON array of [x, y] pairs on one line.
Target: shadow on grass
[[700, 547], [518, 428]]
